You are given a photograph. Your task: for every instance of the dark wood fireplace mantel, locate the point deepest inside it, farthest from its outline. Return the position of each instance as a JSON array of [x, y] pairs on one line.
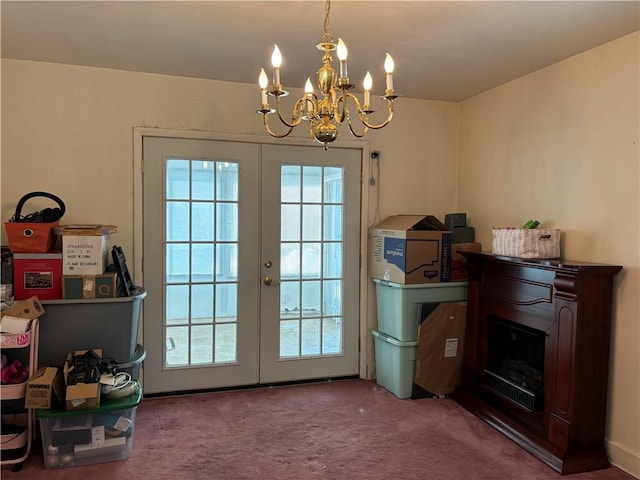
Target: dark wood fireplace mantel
[[570, 303]]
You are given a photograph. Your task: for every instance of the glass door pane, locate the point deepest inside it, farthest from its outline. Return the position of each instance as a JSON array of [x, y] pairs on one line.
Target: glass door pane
[[311, 274], [201, 273]]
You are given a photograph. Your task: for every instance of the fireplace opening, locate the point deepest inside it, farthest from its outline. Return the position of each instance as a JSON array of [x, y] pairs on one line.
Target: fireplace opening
[[515, 362]]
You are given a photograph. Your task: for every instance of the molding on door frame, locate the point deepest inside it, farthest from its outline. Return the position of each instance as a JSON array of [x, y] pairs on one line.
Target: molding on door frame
[[366, 351]]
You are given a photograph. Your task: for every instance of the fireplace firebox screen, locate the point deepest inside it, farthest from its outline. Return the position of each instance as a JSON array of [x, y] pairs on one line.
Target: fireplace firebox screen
[[515, 362]]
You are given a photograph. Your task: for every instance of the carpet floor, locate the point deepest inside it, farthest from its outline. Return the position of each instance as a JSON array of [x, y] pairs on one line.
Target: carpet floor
[[352, 430]]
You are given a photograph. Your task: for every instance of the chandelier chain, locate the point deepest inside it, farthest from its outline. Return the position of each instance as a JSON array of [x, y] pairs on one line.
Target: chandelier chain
[[327, 38], [327, 8]]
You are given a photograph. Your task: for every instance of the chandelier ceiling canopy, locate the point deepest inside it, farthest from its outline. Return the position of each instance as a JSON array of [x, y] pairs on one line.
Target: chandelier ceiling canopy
[[326, 111]]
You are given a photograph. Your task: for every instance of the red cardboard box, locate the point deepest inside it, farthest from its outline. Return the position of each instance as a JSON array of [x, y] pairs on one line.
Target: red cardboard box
[[37, 274]]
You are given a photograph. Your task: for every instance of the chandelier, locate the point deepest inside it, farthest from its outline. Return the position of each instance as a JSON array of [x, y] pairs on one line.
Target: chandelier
[[329, 110]]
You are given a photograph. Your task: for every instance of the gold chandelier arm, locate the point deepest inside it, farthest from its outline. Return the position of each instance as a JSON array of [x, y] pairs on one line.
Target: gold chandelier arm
[[305, 106], [354, 133], [345, 112], [271, 132], [296, 115], [365, 120], [312, 125]]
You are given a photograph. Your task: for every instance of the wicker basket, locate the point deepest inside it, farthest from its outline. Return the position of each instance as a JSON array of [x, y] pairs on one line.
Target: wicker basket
[[526, 242]]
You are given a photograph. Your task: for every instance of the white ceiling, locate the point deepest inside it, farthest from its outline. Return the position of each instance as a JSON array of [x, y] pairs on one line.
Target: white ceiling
[[447, 50]]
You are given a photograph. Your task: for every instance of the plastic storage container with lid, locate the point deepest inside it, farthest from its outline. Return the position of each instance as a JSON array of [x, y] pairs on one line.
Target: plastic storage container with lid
[[84, 437]]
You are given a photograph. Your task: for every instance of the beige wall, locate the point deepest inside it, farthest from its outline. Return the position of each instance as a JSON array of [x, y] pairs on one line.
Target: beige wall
[[561, 146], [68, 130]]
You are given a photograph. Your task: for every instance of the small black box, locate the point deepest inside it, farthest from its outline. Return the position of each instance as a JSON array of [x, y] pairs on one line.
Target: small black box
[[454, 220], [71, 430], [463, 235]]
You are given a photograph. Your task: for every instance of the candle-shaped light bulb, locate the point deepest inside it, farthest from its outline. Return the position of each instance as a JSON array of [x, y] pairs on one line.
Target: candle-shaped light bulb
[[388, 67], [263, 81], [276, 61], [368, 82], [342, 56], [308, 87]]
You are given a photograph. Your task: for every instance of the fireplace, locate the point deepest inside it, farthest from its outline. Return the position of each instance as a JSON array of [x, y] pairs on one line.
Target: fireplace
[[536, 355]]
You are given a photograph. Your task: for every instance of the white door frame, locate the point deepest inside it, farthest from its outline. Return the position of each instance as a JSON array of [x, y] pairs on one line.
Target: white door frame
[[365, 370]]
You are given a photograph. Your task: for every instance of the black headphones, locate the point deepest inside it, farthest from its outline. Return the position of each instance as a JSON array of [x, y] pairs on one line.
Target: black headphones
[[48, 215]]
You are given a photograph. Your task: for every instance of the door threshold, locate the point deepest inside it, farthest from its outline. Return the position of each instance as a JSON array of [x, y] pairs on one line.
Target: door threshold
[[250, 387]]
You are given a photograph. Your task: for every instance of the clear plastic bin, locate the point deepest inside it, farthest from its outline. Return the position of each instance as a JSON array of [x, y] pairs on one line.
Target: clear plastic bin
[[75, 438]]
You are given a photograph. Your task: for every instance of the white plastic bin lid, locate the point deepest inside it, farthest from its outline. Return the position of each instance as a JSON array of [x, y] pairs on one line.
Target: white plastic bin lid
[[427, 286], [393, 341]]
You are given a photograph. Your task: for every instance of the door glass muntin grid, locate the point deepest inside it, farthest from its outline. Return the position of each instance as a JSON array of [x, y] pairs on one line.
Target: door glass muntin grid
[[311, 245], [200, 262]]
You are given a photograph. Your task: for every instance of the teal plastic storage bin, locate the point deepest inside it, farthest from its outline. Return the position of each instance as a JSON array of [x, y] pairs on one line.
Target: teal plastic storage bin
[[400, 306], [395, 364]]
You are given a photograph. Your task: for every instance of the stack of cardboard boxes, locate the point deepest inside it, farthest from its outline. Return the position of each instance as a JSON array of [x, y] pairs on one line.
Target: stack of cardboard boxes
[[85, 269], [76, 269]]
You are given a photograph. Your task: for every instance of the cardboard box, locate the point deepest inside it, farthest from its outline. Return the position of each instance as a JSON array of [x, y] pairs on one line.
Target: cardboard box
[[37, 274], [90, 286], [80, 396], [85, 248], [458, 262], [410, 249], [45, 388], [30, 308], [440, 349]]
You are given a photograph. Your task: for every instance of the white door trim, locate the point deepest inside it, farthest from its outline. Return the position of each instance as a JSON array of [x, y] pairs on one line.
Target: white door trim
[[365, 370]]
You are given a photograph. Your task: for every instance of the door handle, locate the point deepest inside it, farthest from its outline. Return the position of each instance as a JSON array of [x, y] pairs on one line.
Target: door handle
[[268, 280]]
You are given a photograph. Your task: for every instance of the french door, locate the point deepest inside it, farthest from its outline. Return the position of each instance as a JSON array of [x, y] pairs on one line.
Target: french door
[[251, 259]]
